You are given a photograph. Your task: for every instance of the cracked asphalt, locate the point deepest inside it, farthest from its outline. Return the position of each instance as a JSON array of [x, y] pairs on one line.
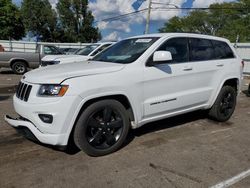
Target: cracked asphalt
[[184, 151]]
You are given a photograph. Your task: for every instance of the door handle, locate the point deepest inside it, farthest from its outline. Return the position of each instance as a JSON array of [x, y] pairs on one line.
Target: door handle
[[219, 64], [188, 68]]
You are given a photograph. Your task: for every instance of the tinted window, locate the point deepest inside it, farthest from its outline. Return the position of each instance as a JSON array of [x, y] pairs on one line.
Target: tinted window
[[222, 50], [201, 50], [178, 47]]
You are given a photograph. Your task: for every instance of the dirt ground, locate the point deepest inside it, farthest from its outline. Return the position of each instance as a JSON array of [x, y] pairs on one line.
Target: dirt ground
[[184, 151]]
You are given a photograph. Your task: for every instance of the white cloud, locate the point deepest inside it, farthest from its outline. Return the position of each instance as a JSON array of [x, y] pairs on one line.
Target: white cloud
[[111, 8], [103, 9], [160, 11], [117, 25], [114, 36], [102, 25]]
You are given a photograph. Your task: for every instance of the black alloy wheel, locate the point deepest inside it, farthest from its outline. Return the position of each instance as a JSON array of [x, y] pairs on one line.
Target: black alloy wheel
[[102, 128], [224, 105], [227, 104]]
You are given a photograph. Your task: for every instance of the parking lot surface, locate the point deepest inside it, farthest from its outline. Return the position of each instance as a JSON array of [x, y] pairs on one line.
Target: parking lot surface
[[184, 151]]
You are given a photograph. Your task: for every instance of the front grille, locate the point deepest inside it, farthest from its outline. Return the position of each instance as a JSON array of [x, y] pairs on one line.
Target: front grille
[[23, 91]]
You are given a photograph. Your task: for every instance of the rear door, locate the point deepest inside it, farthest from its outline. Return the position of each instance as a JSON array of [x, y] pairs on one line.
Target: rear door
[[225, 63]]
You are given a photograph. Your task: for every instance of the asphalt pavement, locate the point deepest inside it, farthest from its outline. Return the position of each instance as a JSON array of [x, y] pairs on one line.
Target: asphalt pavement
[[185, 151]]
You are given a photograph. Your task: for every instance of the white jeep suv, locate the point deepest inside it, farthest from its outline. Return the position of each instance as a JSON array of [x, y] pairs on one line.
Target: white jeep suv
[[136, 81]]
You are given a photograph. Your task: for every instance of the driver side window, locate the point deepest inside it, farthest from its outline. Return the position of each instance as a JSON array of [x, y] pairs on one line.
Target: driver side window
[[178, 47]]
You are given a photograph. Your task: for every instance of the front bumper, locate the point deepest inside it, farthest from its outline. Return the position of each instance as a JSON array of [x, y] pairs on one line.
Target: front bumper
[[31, 132], [31, 107]]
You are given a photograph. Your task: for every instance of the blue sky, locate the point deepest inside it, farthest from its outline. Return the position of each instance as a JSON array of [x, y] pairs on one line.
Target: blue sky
[[139, 28], [134, 25]]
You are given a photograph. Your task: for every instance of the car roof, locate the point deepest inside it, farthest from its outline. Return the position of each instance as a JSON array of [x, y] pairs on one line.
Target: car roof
[[103, 43], [195, 35]]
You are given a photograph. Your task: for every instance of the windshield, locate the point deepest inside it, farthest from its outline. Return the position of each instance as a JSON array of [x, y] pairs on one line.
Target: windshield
[[87, 50], [126, 51]]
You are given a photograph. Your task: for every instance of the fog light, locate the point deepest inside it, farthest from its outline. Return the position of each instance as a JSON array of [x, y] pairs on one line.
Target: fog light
[[46, 118]]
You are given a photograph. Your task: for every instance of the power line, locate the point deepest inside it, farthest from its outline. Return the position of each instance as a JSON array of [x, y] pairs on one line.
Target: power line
[[121, 16], [110, 19], [208, 8]]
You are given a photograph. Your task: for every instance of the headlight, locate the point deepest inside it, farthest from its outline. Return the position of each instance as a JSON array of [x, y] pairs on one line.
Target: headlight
[[53, 90], [55, 62], [45, 63]]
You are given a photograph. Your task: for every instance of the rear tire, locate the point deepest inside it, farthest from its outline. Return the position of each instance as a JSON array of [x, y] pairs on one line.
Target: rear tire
[[102, 128], [248, 91], [19, 67], [224, 105]]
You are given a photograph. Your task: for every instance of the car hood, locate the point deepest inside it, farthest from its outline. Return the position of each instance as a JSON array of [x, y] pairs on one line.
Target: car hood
[[73, 59], [56, 74], [57, 57]]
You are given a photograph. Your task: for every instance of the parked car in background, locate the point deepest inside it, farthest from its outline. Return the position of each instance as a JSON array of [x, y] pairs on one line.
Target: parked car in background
[[70, 51], [136, 81], [19, 62], [83, 54], [65, 50], [73, 50]]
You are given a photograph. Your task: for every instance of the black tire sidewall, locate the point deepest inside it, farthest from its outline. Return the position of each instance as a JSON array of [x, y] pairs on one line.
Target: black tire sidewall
[[81, 127], [19, 63], [248, 90], [215, 111]]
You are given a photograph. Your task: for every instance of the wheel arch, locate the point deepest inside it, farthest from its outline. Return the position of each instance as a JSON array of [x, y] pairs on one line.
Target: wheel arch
[[119, 97], [123, 99], [232, 81], [12, 61]]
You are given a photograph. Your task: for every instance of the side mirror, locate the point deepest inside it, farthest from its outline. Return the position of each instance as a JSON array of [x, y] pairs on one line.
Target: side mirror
[[160, 56]]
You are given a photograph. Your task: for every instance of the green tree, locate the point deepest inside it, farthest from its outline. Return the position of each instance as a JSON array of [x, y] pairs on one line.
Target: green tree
[[197, 21], [77, 21], [11, 26], [229, 20], [40, 19], [175, 24]]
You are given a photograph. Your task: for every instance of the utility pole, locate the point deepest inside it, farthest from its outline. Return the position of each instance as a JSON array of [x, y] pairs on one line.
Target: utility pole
[[148, 17]]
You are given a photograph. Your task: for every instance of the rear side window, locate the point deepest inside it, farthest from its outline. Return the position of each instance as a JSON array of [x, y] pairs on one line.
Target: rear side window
[[201, 50], [222, 50], [178, 48]]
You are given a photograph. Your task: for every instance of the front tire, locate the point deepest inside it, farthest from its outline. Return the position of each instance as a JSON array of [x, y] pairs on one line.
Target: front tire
[[19, 67], [102, 128], [224, 105]]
